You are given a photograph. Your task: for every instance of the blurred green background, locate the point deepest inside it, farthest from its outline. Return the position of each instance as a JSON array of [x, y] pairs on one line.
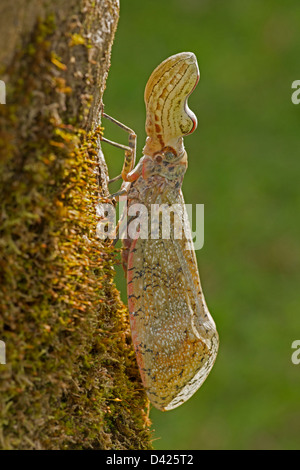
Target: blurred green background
[[244, 166]]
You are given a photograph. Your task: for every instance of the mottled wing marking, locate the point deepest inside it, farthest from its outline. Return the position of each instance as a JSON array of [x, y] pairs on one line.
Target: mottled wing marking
[[173, 333]]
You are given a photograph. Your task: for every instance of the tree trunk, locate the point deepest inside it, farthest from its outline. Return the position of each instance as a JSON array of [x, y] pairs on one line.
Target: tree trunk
[[70, 380]]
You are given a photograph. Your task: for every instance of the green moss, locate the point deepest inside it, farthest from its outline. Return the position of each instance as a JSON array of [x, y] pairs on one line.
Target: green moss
[[71, 380], [77, 39]]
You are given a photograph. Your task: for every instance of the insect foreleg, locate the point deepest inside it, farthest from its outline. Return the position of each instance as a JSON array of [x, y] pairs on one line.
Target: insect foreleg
[[130, 150]]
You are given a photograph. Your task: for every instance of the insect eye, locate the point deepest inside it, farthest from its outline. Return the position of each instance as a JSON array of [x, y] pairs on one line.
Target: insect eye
[[169, 155], [158, 158]]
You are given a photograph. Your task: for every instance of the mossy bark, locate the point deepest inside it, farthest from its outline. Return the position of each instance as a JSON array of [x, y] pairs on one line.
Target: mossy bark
[[70, 380]]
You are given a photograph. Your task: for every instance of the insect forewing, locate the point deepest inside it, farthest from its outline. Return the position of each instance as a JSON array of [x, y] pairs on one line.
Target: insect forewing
[[174, 335]]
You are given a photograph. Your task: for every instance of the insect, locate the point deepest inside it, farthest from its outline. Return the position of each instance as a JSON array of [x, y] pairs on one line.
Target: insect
[[173, 333]]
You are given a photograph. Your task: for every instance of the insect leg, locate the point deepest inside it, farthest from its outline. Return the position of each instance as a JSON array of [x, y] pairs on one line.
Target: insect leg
[[130, 150], [128, 165]]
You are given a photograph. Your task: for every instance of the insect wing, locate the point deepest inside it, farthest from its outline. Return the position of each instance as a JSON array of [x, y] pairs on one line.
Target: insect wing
[[174, 335]]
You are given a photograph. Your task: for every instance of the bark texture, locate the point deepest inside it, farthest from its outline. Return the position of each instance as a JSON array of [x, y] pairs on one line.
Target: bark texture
[[70, 380]]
